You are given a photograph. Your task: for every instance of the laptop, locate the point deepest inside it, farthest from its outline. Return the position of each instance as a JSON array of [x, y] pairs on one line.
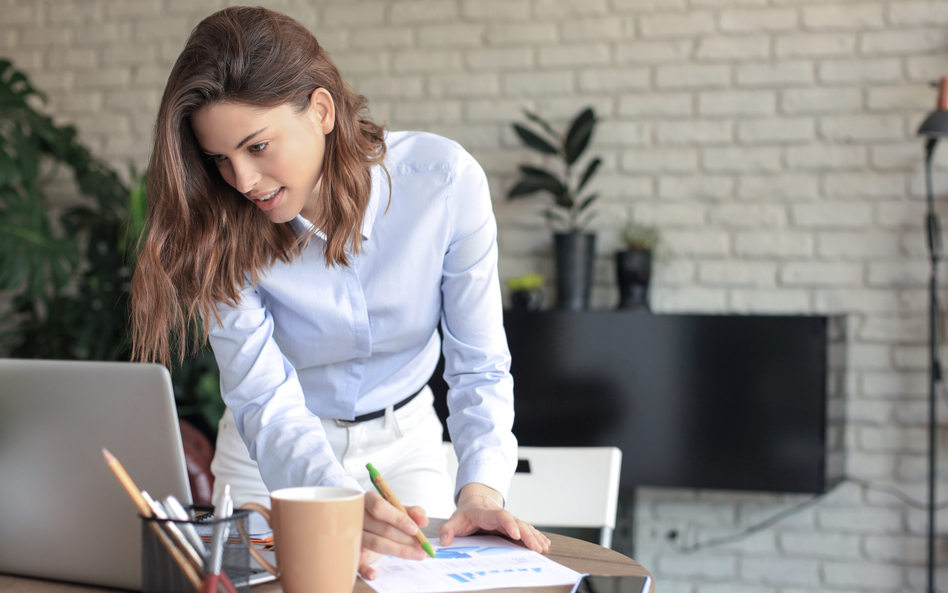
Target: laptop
[[63, 514]]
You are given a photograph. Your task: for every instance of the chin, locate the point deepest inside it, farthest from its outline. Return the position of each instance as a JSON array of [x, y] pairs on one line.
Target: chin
[[279, 217]]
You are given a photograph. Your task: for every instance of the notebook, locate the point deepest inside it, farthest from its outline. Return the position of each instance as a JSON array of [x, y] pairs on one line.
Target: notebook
[[63, 514]]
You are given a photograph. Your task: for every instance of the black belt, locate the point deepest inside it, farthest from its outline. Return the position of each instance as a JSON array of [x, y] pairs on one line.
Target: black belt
[[377, 413]]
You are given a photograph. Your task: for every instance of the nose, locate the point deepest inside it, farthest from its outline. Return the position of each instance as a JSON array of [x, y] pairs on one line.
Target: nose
[[245, 177]]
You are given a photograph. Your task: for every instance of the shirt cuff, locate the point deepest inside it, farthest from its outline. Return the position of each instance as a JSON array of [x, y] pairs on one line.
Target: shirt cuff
[[486, 472]]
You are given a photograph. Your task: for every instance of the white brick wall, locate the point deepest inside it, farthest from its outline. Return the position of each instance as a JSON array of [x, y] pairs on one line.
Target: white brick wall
[[771, 141]]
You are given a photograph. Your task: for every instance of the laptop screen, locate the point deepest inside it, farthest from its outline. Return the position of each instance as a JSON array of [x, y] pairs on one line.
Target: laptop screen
[[64, 515]]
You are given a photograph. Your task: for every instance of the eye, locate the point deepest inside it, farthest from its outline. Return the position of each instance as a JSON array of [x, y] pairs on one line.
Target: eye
[[259, 147], [216, 158]]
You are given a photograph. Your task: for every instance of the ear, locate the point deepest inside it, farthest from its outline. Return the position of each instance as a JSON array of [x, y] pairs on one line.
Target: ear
[[322, 110]]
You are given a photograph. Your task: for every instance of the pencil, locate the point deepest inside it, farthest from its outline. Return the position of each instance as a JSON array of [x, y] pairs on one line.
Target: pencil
[[145, 510], [382, 486], [126, 481]]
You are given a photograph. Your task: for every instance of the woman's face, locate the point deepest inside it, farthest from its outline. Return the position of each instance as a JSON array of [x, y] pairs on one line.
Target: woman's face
[[274, 157]]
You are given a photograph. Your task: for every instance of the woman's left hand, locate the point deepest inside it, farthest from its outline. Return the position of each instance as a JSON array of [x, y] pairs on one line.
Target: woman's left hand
[[479, 509]]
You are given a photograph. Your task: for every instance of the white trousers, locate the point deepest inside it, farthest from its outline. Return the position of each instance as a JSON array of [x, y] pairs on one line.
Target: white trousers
[[404, 445]]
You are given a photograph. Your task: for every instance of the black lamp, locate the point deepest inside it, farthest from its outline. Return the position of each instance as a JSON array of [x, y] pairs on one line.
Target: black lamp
[[934, 127]]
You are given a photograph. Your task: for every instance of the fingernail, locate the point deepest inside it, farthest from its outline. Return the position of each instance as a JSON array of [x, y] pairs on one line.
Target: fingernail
[[419, 555], [411, 529], [443, 538]]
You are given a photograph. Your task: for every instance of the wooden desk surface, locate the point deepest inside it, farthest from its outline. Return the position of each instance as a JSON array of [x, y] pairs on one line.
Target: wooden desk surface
[[579, 555]]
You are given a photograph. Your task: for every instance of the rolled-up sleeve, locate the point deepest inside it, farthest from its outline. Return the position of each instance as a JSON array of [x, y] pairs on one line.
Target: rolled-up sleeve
[[477, 360], [262, 389]]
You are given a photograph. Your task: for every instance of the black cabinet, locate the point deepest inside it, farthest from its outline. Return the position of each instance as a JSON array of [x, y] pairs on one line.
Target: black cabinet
[[698, 401]]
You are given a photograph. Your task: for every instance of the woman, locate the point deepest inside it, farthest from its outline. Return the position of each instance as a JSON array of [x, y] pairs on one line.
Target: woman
[[320, 254]]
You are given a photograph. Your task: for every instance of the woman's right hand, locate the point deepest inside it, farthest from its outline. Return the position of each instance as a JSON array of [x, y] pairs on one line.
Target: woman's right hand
[[386, 530]]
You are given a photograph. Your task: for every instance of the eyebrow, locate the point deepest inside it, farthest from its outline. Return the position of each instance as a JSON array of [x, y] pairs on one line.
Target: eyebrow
[[242, 142], [250, 137]]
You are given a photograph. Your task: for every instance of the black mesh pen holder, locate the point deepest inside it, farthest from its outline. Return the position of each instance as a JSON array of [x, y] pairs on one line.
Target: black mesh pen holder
[[172, 564]]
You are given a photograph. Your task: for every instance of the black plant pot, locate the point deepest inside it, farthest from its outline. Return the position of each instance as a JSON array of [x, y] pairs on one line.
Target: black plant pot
[[575, 253], [633, 273], [527, 300]]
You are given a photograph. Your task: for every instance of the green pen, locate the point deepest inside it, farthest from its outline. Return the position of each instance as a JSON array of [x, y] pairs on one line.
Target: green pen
[[382, 486]]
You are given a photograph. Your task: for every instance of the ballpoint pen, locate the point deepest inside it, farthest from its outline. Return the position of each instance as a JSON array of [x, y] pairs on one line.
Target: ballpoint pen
[[176, 534], [176, 511], [196, 553], [212, 568], [382, 486]]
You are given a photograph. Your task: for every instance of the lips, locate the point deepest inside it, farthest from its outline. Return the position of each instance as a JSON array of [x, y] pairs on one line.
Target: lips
[[270, 200]]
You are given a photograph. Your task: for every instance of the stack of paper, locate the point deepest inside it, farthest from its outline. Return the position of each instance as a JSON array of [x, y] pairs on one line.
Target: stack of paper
[[471, 563]]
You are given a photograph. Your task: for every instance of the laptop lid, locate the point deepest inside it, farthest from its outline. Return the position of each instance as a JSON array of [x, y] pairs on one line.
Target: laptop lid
[[63, 514]]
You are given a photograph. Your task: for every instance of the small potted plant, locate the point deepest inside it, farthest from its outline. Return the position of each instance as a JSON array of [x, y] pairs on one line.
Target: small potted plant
[[568, 212], [526, 292], [634, 265]]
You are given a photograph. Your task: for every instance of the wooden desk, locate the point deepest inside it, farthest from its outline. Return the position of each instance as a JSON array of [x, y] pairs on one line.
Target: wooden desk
[[576, 554]]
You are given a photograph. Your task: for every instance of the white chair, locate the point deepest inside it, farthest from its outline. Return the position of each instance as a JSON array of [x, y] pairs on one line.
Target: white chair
[[565, 487]]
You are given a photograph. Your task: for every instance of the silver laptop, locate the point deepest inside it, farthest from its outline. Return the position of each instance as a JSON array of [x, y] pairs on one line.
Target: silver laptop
[[63, 514]]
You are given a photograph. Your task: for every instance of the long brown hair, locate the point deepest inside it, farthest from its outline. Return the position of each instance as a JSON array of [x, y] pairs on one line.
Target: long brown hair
[[203, 237]]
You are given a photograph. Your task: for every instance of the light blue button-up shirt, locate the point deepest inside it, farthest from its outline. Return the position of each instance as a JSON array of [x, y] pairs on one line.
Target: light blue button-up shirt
[[311, 341]]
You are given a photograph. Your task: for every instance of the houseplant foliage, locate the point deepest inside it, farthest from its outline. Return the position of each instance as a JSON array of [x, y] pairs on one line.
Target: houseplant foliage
[[634, 265], [69, 274], [526, 292], [569, 211]]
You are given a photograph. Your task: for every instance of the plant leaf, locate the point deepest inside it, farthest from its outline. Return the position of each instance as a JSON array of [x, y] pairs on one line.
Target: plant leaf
[[580, 132], [533, 141], [554, 216], [530, 185], [564, 201], [551, 183], [9, 173], [542, 123], [590, 170], [585, 204]]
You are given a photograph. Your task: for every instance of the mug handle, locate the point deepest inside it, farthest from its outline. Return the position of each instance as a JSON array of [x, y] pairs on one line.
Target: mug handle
[[252, 506]]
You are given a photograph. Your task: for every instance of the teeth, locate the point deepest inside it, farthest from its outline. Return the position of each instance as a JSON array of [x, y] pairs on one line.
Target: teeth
[[273, 193]]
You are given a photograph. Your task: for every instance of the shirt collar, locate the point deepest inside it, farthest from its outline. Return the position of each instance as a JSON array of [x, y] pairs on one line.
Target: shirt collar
[[302, 226]]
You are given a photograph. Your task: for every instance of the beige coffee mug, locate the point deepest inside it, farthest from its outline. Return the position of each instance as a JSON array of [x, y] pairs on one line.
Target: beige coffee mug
[[317, 537]]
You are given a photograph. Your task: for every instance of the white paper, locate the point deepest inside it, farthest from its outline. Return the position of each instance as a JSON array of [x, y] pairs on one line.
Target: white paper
[[470, 564]]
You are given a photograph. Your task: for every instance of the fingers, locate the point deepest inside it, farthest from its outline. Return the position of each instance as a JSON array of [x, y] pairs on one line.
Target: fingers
[[460, 524], [465, 522], [533, 539], [386, 530], [366, 558], [447, 530], [528, 534], [380, 511], [418, 515], [509, 524], [388, 547]]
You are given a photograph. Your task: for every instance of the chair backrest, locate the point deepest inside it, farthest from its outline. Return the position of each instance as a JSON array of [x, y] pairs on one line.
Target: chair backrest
[[564, 487]]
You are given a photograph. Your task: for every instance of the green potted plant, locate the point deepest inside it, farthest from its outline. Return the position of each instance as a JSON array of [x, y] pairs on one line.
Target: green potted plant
[[634, 265], [70, 289], [568, 213], [526, 292]]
